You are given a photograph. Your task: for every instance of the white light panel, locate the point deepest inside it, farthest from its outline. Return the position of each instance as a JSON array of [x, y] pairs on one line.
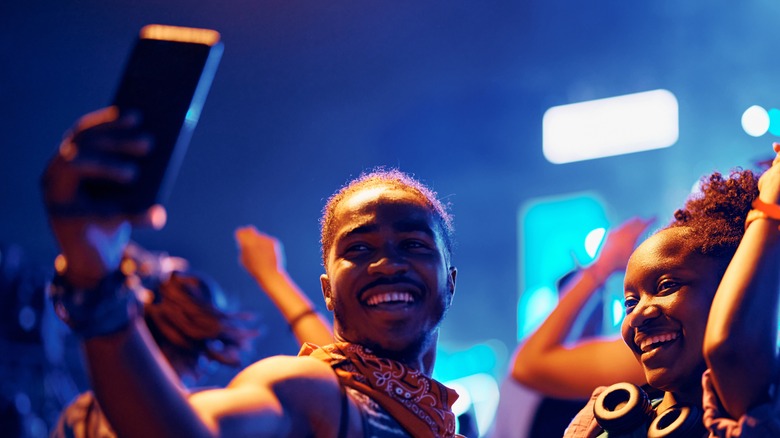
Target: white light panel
[[611, 126]]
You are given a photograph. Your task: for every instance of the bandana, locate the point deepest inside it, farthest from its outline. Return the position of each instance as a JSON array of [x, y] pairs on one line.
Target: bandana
[[420, 404]]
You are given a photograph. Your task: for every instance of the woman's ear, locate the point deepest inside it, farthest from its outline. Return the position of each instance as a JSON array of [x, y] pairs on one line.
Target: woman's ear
[[326, 293]]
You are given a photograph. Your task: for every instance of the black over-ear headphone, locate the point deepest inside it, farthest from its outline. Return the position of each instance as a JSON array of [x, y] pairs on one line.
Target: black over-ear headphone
[[624, 410]]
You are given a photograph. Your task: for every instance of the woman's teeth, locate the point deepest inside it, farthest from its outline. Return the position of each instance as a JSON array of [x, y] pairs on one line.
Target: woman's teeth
[[651, 342]]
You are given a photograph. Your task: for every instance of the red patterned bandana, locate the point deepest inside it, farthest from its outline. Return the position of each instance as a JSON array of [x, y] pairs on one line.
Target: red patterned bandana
[[420, 404]]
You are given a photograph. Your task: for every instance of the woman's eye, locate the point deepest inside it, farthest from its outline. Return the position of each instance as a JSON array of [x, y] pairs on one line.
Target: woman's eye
[[667, 286], [629, 304]]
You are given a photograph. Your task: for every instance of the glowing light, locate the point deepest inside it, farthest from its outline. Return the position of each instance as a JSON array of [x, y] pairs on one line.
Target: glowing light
[[128, 267], [463, 403], [183, 34], [617, 312], [539, 304], [482, 357], [481, 392], [551, 232], [593, 241], [60, 264], [755, 121], [610, 126], [192, 116], [774, 121], [157, 216]]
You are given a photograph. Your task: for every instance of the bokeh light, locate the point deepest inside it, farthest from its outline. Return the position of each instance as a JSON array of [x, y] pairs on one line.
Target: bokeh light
[[755, 121]]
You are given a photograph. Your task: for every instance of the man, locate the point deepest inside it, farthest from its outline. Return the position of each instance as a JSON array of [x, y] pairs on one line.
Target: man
[[388, 279]]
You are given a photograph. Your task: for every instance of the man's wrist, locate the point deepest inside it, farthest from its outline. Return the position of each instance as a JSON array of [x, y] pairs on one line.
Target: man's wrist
[[104, 309]]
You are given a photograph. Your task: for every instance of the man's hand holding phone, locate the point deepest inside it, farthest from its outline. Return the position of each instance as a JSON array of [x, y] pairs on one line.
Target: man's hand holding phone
[[115, 166], [102, 147]]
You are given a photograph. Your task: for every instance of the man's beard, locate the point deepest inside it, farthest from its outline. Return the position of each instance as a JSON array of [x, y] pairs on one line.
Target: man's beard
[[409, 355]]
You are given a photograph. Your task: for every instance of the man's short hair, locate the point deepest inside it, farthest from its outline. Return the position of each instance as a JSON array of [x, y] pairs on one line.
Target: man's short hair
[[392, 178]]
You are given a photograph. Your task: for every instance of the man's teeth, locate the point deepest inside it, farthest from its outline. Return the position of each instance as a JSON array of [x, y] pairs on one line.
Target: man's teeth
[[390, 297], [649, 343]]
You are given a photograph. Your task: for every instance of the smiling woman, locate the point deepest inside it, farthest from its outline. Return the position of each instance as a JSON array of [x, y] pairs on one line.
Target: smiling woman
[[669, 286], [671, 280]]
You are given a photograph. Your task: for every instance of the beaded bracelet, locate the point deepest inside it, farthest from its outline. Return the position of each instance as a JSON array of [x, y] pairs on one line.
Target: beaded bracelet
[[762, 210], [297, 318], [103, 310]]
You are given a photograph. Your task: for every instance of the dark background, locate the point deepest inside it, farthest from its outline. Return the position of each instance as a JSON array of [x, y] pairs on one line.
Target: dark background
[[311, 93]]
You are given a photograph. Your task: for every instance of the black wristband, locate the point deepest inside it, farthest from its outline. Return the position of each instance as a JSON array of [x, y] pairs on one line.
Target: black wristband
[[297, 318], [108, 308]]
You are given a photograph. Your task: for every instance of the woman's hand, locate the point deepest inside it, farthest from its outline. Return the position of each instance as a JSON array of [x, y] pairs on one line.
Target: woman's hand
[[769, 183], [618, 247]]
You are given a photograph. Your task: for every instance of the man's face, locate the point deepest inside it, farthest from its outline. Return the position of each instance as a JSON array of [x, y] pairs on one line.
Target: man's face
[[668, 293], [388, 279]]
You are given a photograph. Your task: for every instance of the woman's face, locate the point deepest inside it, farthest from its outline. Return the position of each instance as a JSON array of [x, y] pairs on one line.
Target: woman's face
[[668, 291]]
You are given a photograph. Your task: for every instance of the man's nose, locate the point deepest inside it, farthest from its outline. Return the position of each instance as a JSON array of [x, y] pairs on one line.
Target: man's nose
[[388, 262]]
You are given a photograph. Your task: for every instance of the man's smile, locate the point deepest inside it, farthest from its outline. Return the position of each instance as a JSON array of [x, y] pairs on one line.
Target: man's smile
[[389, 298], [391, 291]]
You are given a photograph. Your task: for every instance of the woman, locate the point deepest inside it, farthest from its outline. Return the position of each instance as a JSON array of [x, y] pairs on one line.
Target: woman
[[671, 280]]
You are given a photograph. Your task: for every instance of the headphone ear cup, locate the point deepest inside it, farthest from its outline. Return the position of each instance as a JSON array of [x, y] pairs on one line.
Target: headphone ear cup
[[682, 420], [623, 409]]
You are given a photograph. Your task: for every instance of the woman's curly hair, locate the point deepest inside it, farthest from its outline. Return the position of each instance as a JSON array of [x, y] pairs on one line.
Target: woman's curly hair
[[716, 215], [187, 323]]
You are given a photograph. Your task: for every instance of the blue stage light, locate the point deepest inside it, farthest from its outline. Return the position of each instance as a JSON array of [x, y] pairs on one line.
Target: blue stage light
[[554, 239]]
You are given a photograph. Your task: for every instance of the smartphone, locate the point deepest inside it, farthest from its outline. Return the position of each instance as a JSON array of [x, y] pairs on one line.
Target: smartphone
[[166, 79]]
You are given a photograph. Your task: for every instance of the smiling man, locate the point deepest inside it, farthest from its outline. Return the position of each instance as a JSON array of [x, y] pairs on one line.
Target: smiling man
[[386, 243]]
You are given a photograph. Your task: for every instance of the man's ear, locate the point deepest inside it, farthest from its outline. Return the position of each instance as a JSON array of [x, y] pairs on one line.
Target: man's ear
[[451, 280], [325, 285]]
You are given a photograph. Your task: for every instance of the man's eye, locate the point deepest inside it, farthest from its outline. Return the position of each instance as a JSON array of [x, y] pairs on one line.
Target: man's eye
[[416, 245], [357, 247], [629, 304]]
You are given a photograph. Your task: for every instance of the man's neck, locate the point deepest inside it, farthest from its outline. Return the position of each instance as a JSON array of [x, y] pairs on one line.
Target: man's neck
[[421, 360]]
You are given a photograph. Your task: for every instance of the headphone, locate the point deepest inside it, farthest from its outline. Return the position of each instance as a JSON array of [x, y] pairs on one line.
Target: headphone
[[624, 410], [679, 421]]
